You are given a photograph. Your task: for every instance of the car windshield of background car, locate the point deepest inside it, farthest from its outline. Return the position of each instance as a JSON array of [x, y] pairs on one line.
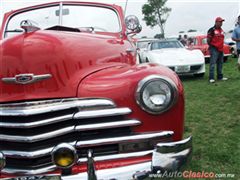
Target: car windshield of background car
[[98, 18], [142, 45], [166, 44], [204, 41]]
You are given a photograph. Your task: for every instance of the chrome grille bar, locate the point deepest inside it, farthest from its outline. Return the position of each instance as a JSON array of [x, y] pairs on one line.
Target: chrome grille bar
[[107, 125], [47, 151], [131, 138], [39, 137], [29, 172], [39, 107], [31, 154], [118, 156], [102, 113], [37, 123]]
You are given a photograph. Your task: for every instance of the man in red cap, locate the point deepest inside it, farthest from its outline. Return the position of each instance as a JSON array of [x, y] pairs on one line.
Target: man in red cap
[[215, 39]]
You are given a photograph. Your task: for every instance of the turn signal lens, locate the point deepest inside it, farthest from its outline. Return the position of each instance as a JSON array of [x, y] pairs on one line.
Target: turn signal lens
[[64, 155]]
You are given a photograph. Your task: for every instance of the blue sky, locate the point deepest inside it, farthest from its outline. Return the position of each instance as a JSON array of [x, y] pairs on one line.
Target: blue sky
[[185, 14]]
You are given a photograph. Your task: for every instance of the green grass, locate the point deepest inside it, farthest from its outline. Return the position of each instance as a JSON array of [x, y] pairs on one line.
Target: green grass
[[212, 117]]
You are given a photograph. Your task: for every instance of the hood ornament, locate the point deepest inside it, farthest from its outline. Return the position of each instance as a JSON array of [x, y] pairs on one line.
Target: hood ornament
[[25, 78]]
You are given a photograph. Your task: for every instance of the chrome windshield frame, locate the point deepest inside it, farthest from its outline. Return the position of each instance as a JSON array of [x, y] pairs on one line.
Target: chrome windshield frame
[[61, 5]]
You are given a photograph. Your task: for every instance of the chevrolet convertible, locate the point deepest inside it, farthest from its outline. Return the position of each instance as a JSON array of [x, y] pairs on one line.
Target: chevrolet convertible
[[75, 105]]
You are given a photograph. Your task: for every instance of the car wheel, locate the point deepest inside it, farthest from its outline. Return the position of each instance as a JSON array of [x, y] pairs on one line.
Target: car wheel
[[140, 60], [207, 60], [225, 59], [147, 60], [233, 53], [199, 75]]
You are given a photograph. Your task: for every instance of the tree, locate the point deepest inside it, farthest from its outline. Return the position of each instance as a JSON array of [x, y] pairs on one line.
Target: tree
[[156, 13], [158, 36]]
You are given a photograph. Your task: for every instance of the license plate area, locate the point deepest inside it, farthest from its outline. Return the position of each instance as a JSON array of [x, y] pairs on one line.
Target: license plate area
[[182, 69]]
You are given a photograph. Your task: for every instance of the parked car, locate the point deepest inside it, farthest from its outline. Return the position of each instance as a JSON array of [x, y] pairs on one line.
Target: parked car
[[75, 105], [200, 42], [142, 46], [173, 54], [233, 46]]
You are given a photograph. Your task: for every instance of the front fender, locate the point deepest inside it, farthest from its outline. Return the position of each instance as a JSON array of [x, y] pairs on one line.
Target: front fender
[[119, 83]]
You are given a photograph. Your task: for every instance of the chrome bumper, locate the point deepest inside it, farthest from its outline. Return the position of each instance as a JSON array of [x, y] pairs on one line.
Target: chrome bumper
[[170, 156]]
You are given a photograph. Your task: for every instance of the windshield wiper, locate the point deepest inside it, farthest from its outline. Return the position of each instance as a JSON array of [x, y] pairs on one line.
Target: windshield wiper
[[63, 28], [15, 30], [92, 29]]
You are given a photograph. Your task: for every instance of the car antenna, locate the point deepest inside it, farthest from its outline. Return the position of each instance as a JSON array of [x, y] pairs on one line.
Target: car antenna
[[125, 9]]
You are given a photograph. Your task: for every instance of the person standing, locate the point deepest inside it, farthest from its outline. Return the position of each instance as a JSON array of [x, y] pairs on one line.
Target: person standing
[[236, 37], [215, 39]]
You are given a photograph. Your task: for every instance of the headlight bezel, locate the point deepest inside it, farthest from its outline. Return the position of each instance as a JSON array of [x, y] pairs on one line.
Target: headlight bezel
[[152, 78]]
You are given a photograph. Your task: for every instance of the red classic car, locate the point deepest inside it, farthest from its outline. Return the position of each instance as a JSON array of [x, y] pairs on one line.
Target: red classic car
[[200, 42], [75, 105]]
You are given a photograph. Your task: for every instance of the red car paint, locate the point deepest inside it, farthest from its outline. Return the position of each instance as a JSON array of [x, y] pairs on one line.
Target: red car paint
[[200, 42], [84, 65]]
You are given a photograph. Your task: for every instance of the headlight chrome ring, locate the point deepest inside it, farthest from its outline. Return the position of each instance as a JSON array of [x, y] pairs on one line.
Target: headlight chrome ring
[[156, 94]]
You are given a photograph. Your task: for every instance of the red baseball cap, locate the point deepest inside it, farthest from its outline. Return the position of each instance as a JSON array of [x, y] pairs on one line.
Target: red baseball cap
[[219, 19]]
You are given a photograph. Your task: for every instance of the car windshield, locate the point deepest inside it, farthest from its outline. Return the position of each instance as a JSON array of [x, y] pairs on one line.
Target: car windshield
[[142, 44], [204, 41], [166, 44], [95, 18]]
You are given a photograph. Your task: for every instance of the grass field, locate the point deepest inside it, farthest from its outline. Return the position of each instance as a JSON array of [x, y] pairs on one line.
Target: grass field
[[212, 117]]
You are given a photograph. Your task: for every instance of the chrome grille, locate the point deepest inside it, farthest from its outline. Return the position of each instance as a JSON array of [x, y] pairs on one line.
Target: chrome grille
[[30, 130], [195, 67]]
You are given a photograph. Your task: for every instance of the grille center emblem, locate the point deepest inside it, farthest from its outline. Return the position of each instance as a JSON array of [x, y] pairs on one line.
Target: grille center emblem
[[26, 78]]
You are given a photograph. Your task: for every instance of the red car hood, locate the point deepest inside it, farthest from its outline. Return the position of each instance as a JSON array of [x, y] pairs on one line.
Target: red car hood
[[67, 56]]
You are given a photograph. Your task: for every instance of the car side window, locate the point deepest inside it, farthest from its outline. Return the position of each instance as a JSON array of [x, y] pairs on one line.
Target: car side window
[[204, 41], [195, 41]]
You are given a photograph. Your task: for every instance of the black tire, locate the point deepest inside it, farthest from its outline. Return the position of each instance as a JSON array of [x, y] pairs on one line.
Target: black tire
[[225, 59], [207, 60], [199, 75], [147, 61], [139, 59], [233, 53]]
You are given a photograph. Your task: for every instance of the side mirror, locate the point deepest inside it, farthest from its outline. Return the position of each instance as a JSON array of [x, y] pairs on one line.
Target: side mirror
[[133, 24]]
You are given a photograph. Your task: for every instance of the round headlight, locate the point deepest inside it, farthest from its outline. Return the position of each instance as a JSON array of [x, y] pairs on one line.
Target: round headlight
[[64, 155], [156, 94]]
